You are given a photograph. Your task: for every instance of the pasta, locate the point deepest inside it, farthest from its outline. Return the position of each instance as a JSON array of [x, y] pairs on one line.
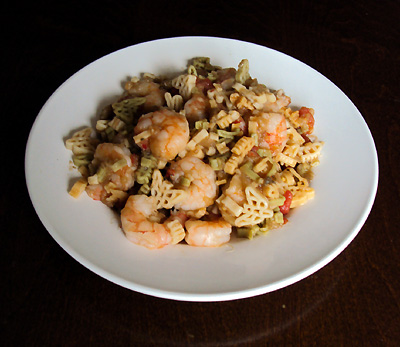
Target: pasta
[[208, 153]]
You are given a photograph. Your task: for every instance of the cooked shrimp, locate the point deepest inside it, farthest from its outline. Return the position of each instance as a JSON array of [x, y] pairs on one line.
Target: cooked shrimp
[[121, 176], [282, 100], [169, 133], [202, 190], [141, 223], [235, 189], [271, 131], [150, 90], [207, 233], [196, 108]]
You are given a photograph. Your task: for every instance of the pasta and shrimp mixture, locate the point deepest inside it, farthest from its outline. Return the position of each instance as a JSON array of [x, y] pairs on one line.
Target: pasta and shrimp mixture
[[198, 156]]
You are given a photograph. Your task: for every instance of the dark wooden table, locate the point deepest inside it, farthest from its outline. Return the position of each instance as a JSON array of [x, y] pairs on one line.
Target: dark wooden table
[[49, 299]]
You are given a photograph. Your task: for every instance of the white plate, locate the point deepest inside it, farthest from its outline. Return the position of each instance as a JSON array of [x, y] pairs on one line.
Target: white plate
[[345, 182]]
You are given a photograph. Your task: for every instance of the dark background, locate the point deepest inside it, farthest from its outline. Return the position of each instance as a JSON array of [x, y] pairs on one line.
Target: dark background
[[49, 299]]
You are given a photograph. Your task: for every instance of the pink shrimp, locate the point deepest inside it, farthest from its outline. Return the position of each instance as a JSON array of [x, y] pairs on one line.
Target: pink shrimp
[[202, 190], [168, 133], [207, 233], [271, 131], [115, 170], [150, 90], [196, 108], [141, 223]]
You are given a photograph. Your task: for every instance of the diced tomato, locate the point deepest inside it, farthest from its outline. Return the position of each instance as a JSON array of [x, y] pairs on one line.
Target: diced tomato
[[144, 145], [308, 115], [170, 173], [288, 200], [242, 125], [135, 160]]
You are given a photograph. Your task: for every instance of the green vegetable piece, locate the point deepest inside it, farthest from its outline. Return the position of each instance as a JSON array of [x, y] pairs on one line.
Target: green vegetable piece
[[255, 137], [102, 173], [273, 203], [184, 181], [119, 165], [201, 124], [245, 233], [215, 163], [110, 133], [228, 134], [242, 74], [278, 217], [247, 169], [147, 162], [264, 153], [248, 232], [273, 170]]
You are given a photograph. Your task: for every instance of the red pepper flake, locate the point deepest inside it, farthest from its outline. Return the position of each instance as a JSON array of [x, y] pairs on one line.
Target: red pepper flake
[[288, 200]]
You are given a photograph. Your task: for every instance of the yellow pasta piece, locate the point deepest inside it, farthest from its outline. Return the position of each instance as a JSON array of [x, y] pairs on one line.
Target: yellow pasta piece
[[262, 164], [101, 125], [310, 151], [116, 195], [218, 96], [200, 136], [185, 85], [117, 124], [288, 178], [291, 150], [285, 160], [227, 119], [255, 210], [271, 191], [142, 136], [232, 164], [164, 192], [222, 147], [174, 102], [176, 231], [293, 136], [240, 101], [301, 194], [243, 146], [230, 205], [240, 150], [197, 213], [78, 188]]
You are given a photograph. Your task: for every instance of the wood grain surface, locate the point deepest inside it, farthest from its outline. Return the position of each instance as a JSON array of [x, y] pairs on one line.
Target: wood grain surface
[[49, 299]]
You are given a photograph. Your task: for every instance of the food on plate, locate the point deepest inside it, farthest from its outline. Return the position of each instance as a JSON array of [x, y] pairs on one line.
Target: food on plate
[[198, 156]]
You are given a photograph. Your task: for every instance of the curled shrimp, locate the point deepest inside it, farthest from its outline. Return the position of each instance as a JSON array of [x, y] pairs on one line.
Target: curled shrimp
[[168, 133], [202, 190], [119, 177], [196, 108], [141, 223], [150, 90], [271, 131], [207, 233]]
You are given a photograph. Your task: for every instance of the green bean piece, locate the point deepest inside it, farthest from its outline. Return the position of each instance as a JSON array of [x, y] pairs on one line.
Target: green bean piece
[[119, 165]]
